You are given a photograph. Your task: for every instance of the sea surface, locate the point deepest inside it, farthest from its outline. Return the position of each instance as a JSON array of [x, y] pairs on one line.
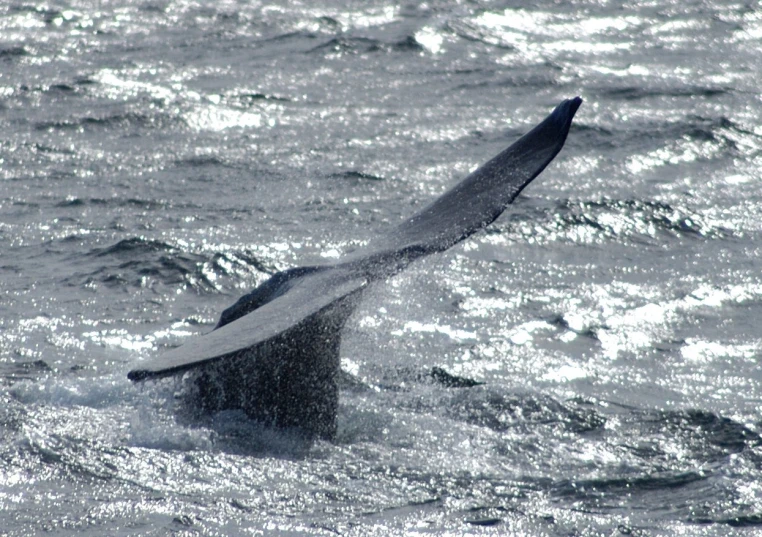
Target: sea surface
[[160, 158]]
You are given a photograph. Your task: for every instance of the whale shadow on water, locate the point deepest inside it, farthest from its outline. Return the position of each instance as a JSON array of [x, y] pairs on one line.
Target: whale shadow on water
[[275, 353]]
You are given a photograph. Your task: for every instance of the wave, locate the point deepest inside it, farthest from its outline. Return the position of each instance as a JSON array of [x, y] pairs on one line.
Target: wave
[[595, 221], [365, 45], [56, 90], [646, 443], [635, 93], [248, 99], [133, 246], [135, 203], [694, 138], [13, 52], [13, 372], [355, 176], [706, 435], [472, 32], [739, 521], [718, 129], [199, 162], [626, 485], [517, 78], [643, 217], [490, 408], [118, 122], [138, 262]]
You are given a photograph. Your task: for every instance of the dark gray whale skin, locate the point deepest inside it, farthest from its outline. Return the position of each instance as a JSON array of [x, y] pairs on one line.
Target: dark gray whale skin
[[275, 352]]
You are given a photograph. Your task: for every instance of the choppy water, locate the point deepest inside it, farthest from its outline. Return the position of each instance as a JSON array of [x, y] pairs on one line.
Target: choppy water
[[158, 159]]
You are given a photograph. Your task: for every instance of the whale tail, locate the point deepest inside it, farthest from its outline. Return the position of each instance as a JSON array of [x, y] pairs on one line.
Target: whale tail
[[275, 353]]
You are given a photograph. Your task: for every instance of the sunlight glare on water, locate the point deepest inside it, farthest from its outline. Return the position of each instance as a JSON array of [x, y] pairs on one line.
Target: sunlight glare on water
[[588, 364]]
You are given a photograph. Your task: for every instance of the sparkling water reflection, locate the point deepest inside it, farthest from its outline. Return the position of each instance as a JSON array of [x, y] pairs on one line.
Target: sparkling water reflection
[[158, 159]]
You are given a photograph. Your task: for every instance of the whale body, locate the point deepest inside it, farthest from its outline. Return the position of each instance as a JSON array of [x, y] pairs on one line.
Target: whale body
[[275, 352]]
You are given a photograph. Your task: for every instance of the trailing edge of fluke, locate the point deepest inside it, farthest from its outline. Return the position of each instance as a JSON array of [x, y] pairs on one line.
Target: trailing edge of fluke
[[275, 352]]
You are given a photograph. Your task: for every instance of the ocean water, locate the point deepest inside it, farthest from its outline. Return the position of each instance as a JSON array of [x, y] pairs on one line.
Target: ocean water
[[158, 159]]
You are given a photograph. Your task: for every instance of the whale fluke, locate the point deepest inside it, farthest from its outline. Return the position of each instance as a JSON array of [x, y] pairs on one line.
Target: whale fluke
[[275, 352]]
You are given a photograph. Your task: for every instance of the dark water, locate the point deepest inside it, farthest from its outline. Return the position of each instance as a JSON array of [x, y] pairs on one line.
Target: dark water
[[158, 159]]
